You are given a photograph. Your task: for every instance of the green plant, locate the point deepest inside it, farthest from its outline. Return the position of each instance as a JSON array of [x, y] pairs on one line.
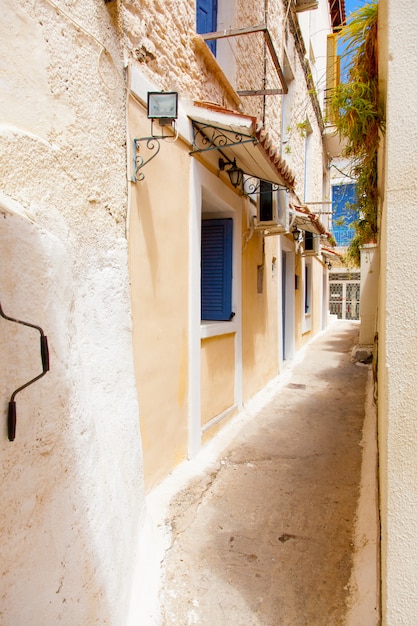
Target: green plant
[[302, 128], [359, 118]]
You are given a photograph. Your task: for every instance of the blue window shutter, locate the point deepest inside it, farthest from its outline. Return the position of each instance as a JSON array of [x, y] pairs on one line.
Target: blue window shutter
[[344, 206], [207, 20], [216, 269]]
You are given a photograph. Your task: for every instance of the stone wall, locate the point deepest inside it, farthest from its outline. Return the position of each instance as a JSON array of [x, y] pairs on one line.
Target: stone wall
[[160, 40], [71, 482]]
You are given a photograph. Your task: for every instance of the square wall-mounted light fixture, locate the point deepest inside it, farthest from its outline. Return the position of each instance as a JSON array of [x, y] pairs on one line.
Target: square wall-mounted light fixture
[[163, 106]]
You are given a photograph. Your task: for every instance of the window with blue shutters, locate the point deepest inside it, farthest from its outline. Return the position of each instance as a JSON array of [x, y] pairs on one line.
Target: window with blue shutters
[[345, 213], [216, 269], [207, 19]]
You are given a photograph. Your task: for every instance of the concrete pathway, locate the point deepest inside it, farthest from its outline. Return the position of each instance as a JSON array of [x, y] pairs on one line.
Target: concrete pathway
[[265, 536]]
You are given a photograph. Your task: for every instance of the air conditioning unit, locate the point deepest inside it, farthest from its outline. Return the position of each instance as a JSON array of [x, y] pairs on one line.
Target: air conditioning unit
[[283, 208], [272, 209], [311, 243]]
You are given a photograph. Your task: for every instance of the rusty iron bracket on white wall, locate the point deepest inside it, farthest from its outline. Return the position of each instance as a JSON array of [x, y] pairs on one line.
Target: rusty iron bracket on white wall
[[153, 146], [11, 418]]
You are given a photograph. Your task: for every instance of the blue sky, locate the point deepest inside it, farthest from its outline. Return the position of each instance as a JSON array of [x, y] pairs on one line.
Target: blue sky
[[352, 5]]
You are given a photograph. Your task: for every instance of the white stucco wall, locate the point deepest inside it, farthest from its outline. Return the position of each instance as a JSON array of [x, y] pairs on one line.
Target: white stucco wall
[[315, 25], [369, 293], [301, 134], [397, 316], [71, 482]]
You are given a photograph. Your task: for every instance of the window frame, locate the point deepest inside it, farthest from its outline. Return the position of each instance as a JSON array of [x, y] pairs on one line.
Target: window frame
[[267, 202], [207, 24], [307, 295]]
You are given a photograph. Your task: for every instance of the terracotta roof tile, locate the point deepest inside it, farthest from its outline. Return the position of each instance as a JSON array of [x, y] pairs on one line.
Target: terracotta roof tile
[[276, 159]]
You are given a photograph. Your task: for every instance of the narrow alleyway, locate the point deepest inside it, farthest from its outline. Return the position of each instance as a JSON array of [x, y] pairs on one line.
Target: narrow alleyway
[[266, 536]]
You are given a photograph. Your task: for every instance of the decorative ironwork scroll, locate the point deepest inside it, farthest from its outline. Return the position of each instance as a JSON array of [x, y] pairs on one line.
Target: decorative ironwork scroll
[[153, 145], [252, 185], [209, 137]]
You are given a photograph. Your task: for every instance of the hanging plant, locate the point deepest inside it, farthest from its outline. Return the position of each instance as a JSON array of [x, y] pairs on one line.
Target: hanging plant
[[359, 118]]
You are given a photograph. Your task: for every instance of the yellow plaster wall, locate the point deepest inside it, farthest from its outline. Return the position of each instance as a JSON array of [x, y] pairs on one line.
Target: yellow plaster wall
[[299, 301], [260, 316], [302, 335], [316, 296], [217, 375], [158, 255]]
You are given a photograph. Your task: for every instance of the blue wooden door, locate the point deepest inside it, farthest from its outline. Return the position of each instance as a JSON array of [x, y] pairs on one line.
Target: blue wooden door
[[207, 19]]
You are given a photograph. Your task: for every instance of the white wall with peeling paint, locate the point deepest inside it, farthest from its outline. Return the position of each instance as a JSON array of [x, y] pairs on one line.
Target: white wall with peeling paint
[[71, 483]]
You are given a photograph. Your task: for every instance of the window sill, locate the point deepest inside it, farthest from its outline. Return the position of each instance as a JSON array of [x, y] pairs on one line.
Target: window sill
[[306, 325], [214, 329]]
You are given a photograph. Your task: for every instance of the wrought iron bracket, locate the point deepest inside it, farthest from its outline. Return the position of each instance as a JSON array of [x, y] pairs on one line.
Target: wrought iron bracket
[[252, 185], [153, 146], [11, 417], [209, 137]]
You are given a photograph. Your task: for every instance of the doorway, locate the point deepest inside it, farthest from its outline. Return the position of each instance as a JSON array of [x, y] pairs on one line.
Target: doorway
[[287, 297]]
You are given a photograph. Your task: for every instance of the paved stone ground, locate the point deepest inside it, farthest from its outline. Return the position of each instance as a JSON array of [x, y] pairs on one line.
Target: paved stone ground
[[265, 536]]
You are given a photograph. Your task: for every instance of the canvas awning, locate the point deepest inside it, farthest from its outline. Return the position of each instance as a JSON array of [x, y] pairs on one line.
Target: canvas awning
[[220, 133]]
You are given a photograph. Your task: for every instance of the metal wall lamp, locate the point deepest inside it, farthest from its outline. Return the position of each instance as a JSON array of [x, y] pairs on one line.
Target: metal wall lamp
[[250, 184], [296, 233], [235, 173], [163, 107], [11, 416]]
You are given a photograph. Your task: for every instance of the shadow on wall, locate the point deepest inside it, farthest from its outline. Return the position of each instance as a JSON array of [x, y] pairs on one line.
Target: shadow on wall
[[257, 297], [144, 216]]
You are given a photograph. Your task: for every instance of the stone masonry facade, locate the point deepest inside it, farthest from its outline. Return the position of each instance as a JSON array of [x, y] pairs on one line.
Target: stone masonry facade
[[160, 38]]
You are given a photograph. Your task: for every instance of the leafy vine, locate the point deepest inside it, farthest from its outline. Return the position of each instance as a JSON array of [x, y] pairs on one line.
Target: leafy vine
[[358, 117]]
